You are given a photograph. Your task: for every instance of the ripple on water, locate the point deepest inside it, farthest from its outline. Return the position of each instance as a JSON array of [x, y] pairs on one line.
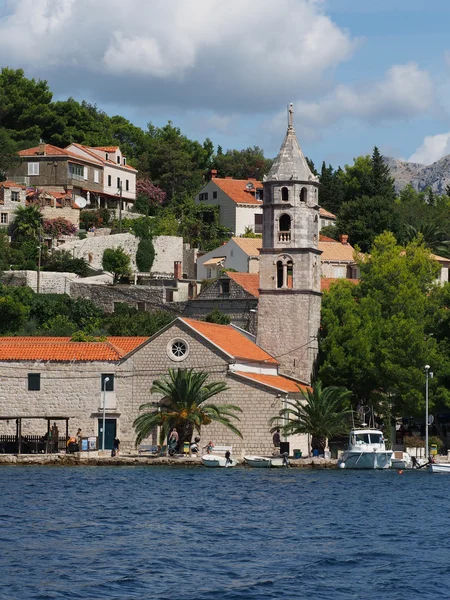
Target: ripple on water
[[164, 533]]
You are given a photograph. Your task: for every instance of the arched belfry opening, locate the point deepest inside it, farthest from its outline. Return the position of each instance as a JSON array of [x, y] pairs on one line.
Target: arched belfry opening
[[303, 195], [285, 266], [284, 194], [284, 225]]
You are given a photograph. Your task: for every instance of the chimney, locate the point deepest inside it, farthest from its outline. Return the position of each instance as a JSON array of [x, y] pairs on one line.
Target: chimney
[[343, 239], [177, 269], [213, 173], [41, 148]]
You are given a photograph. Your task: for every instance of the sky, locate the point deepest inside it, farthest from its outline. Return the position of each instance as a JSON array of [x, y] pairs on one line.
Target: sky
[[359, 72]]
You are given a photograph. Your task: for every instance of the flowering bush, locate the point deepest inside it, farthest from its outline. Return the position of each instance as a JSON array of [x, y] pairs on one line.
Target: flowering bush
[[58, 227]]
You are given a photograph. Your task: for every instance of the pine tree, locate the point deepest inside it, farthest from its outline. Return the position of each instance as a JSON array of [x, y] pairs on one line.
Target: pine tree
[[381, 182]]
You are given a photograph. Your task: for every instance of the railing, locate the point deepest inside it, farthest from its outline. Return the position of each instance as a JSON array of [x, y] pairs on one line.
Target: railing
[[284, 236], [31, 444]]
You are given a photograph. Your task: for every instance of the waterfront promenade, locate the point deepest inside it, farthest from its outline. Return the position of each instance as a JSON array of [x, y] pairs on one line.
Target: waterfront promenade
[[94, 459]]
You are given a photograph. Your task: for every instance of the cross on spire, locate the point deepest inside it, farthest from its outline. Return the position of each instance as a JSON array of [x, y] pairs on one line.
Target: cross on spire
[[291, 115]]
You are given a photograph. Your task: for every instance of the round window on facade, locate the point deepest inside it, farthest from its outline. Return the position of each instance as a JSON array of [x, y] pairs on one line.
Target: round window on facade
[[177, 349]]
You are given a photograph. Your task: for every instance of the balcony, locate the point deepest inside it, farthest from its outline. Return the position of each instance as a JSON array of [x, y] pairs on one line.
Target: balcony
[[284, 236]]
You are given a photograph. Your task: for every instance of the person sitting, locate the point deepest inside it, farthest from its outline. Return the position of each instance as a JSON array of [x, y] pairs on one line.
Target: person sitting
[[194, 448]]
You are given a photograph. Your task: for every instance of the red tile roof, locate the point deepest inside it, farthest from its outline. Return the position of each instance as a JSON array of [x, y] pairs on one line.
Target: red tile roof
[[275, 381], [248, 281], [50, 150], [236, 189], [9, 184], [326, 213], [89, 150], [231, 341], [61, 349], [106, 148]]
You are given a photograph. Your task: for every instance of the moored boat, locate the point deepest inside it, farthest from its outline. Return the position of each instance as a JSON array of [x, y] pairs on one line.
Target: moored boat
[[439, 467], [212, 460], [265, 462], [366, 450], [402, 460]]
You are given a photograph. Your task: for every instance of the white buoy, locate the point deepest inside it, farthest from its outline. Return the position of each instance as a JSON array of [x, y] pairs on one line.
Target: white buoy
[[342, 465]]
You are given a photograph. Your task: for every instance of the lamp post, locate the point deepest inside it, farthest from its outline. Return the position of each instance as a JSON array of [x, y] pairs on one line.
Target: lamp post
[[427, 373], [105, 381]]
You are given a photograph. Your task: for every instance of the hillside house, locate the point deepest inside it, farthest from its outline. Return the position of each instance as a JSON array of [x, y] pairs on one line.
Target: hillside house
[[12, 195]]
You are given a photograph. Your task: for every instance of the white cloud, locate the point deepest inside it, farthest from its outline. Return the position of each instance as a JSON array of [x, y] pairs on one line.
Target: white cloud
[[405, 92], [432, 149], [207, 52]]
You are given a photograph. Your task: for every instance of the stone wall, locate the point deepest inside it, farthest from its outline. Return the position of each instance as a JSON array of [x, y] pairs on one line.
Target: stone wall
[[67, 390], [149, 298], [258, 403], [168, 249], [50, 282]]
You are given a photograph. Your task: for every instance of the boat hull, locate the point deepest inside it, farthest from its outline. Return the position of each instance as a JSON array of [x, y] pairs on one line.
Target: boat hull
[[401, 460], [264, 462], [366, 460], [440, 468], [218, 461]]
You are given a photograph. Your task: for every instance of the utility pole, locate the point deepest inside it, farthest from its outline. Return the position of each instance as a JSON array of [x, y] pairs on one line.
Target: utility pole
[[120, 207]]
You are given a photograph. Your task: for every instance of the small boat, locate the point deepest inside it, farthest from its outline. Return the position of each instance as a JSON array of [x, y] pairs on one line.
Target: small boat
[[213, 460], [366, 450], [265, 462], [402, 460], [439, 467]]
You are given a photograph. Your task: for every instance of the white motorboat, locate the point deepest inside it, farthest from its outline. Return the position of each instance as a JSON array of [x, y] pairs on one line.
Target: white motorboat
[[265, 462], [401, 460], [440, 467], [213, 460], [366, 450]]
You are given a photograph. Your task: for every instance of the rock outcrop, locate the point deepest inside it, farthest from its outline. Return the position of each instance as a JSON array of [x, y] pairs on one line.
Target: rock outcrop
[[435, 176]]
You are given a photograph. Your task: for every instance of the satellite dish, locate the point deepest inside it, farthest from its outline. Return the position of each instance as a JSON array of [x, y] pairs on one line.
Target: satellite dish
[[80, 201], [249, 185]]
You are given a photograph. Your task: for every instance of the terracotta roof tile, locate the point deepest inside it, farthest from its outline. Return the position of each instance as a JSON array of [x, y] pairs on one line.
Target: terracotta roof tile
[[250, 246], [61, 349], [275, 381], [236, 189], [326, 213], [231, 341], [10, 184], [50, 150], [324, 238], [106, 148], [248, 281], [335, 251]]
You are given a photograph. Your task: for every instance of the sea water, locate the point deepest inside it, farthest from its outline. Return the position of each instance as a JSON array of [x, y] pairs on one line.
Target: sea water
[[165, 533]]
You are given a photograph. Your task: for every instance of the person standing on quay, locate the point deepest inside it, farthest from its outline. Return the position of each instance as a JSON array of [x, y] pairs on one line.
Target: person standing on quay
[[55, 438], [173, 441], [276, 438]]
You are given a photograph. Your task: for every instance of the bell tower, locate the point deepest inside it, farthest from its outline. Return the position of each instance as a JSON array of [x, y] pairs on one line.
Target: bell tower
[[289, 295]]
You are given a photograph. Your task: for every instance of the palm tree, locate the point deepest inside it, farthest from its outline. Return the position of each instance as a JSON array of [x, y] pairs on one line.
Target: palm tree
[[27, 221], [184, 405], [322, 413], [432, 236]]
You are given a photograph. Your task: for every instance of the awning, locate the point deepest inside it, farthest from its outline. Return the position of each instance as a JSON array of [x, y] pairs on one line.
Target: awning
[[214, 261]]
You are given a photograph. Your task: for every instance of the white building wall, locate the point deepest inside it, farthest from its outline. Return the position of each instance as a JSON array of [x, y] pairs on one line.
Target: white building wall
[[227, 212], [245, 217], [235, 258], [8, 207], [168, 249]]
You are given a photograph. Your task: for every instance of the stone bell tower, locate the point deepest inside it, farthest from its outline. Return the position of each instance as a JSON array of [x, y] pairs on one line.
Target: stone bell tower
[[289, 295]]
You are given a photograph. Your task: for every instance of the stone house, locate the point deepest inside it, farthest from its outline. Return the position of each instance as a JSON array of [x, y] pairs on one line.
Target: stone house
[[42, 376], [12, 195], [55, 204], [240, 203], [95, 177]]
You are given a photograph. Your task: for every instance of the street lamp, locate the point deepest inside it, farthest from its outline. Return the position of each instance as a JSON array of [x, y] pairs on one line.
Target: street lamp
[[105, 381], [428, 373]]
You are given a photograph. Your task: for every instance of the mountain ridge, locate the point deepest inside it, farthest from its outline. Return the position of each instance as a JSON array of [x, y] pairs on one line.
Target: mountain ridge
[[435, 176]]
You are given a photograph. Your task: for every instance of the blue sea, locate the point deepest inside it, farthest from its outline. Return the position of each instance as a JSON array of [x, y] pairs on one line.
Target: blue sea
[[165, 533]]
